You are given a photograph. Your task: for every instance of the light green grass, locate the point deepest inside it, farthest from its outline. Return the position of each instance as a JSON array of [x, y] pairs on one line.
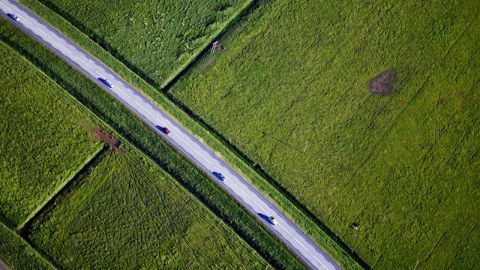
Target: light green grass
[[44, 136], [125, 213], [18, 254], [405, 167], [155, 38]]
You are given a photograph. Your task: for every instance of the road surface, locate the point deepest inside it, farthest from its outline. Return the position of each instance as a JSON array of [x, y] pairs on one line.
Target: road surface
[[3, 266], [180, 138]]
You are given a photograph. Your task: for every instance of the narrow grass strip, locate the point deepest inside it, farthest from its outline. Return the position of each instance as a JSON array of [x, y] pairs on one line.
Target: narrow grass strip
[[18, 254], [58, 190]]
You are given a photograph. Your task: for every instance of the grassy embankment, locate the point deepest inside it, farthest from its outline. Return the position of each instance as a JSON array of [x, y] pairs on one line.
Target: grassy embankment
[[145, 139], [39, 150], [404, 167], [125, 212]]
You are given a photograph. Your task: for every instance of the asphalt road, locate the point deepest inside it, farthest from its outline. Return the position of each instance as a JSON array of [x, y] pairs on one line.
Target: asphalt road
[[3, 266], [180, 138]]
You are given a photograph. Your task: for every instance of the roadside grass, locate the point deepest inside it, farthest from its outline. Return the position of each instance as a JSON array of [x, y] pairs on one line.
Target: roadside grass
[[404, 167], [44, 135], [17, 253], [154, 38], [307, 222], [142, 137], [125, 212]]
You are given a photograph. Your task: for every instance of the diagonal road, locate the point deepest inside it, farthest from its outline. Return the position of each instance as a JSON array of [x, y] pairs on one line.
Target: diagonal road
[[180, 138]]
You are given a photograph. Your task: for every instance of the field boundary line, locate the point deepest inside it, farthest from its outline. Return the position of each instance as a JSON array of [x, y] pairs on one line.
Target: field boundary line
[[60, 188], [183, 69], [310, 224], [36, 251]]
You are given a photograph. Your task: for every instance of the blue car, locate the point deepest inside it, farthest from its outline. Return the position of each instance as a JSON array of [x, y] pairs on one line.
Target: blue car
[[219, 175], [106, 82], [269, 219], [13, 17]]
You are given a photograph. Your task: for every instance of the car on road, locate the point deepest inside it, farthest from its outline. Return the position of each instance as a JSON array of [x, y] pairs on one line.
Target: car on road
[[165, 130], [269, 219], [106, 82], [219, 175], [13, 17]]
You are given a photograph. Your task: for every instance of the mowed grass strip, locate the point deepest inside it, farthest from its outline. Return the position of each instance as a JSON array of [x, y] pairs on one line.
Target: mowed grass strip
[[17, 253], [153, 38], [294, 98], [142, 137], [44, 136], [126, 213]]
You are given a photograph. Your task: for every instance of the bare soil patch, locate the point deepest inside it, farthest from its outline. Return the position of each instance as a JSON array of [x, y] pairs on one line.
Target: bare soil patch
[[105, 137], [382, 84]]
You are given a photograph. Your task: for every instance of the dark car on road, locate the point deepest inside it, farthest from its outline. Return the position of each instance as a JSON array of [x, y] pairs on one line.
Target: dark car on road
[[106, 82], [164, 130], [269, 219], [13, 17], [219, 175]]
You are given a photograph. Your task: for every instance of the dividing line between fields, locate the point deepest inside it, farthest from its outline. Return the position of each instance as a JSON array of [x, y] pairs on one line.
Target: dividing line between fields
[[97, 154]]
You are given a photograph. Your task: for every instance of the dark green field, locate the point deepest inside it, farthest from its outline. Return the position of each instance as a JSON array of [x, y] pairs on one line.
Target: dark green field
[[125, 213], [155, 38], [404, 167], [44, 136]]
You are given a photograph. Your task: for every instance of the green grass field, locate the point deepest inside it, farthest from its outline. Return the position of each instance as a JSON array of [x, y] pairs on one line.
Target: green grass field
[[154, 38], [45, 137], [125, 213], [405, 167], [142, 137]]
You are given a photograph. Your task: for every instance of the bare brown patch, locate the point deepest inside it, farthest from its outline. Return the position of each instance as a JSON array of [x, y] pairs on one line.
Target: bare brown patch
[[382, 84], [105, 137]]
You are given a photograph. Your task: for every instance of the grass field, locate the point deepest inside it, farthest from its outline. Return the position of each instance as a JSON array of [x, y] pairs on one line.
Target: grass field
[[45, 137], [17, 253], [125, 213], [404, 167], [145, 139], [154, 38], [103, 108], [174, 229]]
